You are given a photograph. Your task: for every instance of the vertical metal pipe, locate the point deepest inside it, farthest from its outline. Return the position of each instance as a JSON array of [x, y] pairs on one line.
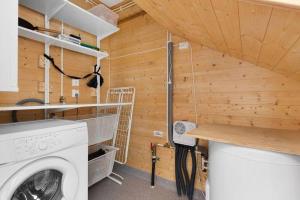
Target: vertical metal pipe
[[170, 90], [154, 159]]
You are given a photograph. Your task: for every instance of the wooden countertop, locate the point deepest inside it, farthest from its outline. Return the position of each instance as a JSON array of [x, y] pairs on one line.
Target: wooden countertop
[[283, 141]]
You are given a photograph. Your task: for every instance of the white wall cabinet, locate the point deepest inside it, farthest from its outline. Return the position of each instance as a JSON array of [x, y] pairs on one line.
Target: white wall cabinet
[[9, 46]]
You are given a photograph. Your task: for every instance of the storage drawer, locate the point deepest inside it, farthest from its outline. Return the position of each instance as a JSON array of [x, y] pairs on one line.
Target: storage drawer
[[102, 166]]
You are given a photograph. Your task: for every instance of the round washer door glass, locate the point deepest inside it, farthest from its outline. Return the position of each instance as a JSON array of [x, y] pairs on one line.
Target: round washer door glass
[[49, 178], [44, 185]]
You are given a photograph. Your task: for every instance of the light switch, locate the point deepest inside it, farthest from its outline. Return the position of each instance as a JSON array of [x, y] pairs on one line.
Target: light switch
[[183, 45], [158, 133]]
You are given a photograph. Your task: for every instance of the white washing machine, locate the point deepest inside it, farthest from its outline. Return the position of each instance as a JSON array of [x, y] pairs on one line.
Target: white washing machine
[[44, 160]]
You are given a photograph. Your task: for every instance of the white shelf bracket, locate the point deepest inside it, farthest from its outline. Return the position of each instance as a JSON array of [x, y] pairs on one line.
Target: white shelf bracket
[[98, 92], [47, 66]]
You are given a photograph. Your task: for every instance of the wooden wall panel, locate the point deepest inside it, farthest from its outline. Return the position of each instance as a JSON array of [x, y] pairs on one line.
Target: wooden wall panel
[[228, 90]]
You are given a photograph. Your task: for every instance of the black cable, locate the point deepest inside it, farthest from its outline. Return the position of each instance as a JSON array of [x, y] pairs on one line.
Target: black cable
[[193, 175], [181, 179], [92, 83], [184, 183], [176, 170], [70, 76], [185, 170]]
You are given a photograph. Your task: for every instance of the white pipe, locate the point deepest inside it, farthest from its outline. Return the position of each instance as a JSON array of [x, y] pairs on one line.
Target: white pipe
[[47, 66], [124, 7], [62, 65]]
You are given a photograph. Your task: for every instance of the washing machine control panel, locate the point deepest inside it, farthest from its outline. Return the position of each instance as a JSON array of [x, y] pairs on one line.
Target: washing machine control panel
[[38, 145], [35, 144]]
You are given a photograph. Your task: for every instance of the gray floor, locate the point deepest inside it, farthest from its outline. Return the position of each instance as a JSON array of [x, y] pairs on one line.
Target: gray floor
[[133, 188]]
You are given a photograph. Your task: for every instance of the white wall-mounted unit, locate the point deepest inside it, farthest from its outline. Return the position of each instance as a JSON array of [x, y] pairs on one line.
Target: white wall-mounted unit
[[9, 46], [72, 15], [179, 130], [47, 39]]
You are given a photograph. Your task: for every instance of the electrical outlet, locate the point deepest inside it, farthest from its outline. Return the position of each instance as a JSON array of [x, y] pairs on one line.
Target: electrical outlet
[[158, 133], [183, 45], [75, 93], [41, 61], [75, 82]]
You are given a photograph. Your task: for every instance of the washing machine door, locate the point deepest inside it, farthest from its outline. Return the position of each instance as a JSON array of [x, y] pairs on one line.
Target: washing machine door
[[48, 178]]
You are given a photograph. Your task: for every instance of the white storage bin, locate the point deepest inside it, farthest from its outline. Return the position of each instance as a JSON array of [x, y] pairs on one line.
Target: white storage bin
[[101, 128], [102, 166], [105, 13]]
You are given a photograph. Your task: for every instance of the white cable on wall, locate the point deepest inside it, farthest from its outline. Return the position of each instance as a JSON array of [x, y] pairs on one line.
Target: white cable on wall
[[194, 85], [109, 72], [138, 52]]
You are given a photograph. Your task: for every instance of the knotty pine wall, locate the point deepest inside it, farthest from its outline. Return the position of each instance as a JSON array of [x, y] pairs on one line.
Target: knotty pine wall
[[228, 90]]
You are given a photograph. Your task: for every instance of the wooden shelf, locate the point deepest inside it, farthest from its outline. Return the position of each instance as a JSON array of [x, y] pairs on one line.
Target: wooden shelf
[[59, 107], [283, 141], [73, 15], [34, 35]]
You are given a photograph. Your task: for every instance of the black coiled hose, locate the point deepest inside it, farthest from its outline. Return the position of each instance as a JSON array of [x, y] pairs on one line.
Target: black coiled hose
[[193, 176], [177, 171], [184, 182], [185, 152]]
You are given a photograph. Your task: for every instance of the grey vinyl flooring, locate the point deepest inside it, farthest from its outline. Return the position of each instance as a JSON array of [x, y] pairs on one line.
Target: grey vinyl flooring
[[133, 188]]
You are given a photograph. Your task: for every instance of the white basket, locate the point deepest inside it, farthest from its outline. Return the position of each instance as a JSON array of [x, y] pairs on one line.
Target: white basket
[[101, 128], [105, 13], [101, 167]]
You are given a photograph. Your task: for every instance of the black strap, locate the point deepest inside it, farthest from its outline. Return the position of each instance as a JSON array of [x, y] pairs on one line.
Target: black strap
[[70, 76]]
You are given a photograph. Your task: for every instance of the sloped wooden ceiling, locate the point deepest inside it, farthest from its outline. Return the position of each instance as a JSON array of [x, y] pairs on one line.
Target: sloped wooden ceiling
[[263, 32]]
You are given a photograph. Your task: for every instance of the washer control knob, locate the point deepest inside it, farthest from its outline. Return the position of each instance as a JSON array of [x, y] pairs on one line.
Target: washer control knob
[[43, 146]]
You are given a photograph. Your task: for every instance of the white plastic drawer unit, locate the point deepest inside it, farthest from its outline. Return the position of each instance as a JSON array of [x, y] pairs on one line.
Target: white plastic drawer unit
[[9, 46]]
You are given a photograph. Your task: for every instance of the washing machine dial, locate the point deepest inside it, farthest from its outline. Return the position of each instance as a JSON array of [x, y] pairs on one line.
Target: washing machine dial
[[43, 145]]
